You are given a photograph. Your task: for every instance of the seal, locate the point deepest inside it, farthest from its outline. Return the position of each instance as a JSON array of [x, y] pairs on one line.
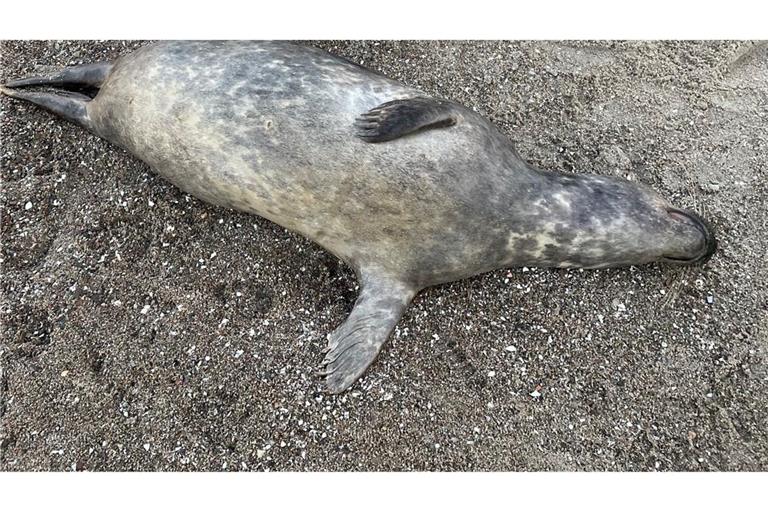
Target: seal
[[409, 190]]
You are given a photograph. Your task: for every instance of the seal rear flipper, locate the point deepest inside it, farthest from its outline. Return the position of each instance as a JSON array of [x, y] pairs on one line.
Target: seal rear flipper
[[69, 105], [83, 77], [397, 118], [354, 345]]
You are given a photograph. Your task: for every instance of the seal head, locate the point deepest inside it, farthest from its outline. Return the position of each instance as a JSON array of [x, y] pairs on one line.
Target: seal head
[[590, 221]]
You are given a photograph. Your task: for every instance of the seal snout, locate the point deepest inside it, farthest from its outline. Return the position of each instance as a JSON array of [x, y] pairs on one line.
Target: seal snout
[[708, 242]]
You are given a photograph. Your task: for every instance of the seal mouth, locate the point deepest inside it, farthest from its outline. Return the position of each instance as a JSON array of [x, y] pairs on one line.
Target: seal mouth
[[710, 242]]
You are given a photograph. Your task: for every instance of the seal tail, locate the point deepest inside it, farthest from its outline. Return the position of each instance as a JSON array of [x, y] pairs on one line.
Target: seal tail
[[67, 104], [79, 84], [76, 77]]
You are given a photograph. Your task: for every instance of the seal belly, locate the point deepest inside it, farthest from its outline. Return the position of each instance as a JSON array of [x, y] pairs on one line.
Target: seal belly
[[269, 129], [264, 129]]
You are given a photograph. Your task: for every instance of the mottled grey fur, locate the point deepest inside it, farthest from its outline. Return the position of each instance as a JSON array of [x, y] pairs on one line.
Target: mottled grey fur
[[275, 129]]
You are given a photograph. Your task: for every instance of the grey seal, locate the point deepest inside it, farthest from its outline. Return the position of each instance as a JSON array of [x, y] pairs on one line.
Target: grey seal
[[409, 190]]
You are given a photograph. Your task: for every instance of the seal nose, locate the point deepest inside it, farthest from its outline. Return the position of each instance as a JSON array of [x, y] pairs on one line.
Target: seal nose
[[710, 242]]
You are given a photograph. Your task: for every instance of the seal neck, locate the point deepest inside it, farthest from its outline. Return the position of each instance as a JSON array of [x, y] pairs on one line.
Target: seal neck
[[564, 220]]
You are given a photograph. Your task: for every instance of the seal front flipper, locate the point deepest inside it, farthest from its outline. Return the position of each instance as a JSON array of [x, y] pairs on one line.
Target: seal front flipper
[[354, 345], [397, 118]]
